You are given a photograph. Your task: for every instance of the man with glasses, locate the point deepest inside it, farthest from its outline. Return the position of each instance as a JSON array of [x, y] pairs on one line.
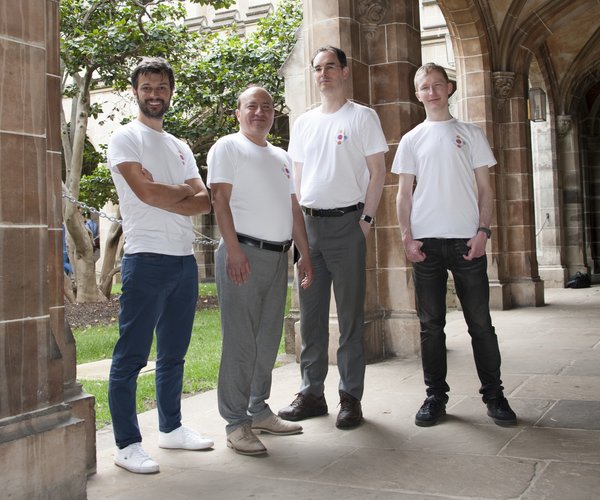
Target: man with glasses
[[445, 224], [338, 152]]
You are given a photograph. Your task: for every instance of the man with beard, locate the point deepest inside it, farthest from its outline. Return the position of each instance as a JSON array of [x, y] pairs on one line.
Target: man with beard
[[159, 188]]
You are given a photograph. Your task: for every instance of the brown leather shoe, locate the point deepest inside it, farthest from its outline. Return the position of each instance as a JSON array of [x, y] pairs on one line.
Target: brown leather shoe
[[350, 412], [304, 406]]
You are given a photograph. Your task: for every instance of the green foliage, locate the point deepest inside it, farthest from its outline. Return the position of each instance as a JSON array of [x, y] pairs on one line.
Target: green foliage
[[107, 37], [97, 188], [207, 86]]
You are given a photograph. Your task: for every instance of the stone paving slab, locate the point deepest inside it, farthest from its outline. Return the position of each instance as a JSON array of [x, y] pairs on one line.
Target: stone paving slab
[[564, 480], [552, 381]]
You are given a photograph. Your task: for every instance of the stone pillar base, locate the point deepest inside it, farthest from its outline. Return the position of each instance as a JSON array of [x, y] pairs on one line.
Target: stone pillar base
[[527, 293], [402, 337], [554, 276], [397, 335], [500, 296], [41, 455], [84, 407]]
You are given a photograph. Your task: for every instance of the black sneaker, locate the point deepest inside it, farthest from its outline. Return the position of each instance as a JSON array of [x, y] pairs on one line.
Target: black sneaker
[[501, 412], [430, 412], [304, 406], [350, 415]]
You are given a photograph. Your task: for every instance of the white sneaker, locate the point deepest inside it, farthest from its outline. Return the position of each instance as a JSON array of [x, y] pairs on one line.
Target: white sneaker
[[183, 438], [245, 442], [275, 425], [135, 459]]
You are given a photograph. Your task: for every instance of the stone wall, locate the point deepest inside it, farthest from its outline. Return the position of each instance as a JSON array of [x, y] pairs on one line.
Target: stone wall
[[46, 445]]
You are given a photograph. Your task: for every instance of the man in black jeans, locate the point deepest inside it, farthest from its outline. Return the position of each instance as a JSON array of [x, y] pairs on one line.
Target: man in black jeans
[[445, 226]]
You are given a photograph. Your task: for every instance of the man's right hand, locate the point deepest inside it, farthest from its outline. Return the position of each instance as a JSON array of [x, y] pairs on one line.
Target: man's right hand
[[413, 251], [238, 268]]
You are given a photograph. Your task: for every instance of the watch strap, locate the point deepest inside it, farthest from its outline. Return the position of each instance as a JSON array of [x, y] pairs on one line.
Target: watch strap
[[485, 230], [367, 218]]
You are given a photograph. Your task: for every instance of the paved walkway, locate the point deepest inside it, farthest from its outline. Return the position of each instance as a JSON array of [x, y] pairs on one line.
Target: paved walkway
[[551, 371]]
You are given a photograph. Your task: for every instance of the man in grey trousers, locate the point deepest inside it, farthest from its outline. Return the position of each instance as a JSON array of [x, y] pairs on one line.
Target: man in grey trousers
[[339, 169], [258, 215]]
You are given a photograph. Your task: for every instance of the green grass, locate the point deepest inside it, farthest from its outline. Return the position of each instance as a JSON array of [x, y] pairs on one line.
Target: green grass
[[201, 366]]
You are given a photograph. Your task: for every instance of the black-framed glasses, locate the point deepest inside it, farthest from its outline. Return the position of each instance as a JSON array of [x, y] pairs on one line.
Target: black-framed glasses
[[326, 68]]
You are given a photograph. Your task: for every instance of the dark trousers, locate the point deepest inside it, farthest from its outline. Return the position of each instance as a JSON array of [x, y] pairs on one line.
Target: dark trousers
[[159, 292], [472, 288]]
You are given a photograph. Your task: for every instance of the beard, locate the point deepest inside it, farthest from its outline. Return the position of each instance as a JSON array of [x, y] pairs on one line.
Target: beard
[[156, 112]]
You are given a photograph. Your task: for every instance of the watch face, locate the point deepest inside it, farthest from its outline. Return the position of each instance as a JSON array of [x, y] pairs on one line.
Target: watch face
[[367, 218]]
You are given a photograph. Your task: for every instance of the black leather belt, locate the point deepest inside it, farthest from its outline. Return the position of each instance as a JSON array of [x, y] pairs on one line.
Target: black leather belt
[[332, 212], [265, 245]]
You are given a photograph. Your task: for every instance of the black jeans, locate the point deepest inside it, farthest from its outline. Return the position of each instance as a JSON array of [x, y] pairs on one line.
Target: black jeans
[[472, 288]]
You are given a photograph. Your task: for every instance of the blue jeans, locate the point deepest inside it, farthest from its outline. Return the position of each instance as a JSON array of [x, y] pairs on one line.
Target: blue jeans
[[159, 292], [472, 288]]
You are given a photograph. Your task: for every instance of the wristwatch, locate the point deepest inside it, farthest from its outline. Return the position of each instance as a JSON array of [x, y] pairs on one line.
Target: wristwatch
[[367, 218], [485, 230]]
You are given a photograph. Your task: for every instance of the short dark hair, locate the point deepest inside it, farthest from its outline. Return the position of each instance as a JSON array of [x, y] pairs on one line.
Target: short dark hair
[[152, 65], [339, 53], [428, 68]]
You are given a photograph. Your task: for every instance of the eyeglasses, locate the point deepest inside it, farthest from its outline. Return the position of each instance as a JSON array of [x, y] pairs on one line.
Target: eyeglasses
[[323, 69]]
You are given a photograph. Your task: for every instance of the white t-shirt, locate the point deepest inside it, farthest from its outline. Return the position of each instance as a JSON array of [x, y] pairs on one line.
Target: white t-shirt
[[170, 161], [442, 156], [262, 185], [332, 148]]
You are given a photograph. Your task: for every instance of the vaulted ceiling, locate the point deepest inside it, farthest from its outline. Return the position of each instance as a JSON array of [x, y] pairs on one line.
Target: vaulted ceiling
[[561, 36]]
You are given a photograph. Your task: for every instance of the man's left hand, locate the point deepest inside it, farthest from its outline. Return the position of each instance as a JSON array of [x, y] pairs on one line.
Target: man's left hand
[[476, 246]]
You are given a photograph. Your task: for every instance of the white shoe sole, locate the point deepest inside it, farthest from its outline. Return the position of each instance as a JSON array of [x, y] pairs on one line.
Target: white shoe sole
[[138, 470], [205, 446]]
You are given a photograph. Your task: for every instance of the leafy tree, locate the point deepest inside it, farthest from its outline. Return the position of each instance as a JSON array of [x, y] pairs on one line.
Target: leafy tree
[[103, 39], [100, 42], [227, 62]]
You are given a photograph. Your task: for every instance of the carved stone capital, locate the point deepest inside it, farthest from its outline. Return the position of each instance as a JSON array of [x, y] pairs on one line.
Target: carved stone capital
[[503, 83], [563, 124], [370, 15]]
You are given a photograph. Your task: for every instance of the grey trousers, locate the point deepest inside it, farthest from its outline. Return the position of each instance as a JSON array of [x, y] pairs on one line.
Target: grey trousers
[[251, 326], [337, 250]]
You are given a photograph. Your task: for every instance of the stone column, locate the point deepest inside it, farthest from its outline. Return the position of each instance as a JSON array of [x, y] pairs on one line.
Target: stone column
[[515, 245], [569, 165], [381, 39], [547, 205], [42, 439]]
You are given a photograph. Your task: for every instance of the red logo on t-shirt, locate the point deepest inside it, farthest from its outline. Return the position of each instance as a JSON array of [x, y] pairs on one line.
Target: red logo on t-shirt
[[459, 141], [286, 171], [341, 137]]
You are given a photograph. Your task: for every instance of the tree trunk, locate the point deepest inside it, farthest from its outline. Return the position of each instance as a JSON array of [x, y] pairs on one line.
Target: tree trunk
[[83, 263], [109, 256]]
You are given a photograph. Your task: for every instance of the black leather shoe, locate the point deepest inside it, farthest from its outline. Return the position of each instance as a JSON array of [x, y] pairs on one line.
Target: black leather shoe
[[304, 406], [501, 412], [350, 414], [430, 412]]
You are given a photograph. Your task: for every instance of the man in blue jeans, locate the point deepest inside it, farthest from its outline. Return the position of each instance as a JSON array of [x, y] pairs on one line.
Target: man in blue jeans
[[159, 188], [445, 225]]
